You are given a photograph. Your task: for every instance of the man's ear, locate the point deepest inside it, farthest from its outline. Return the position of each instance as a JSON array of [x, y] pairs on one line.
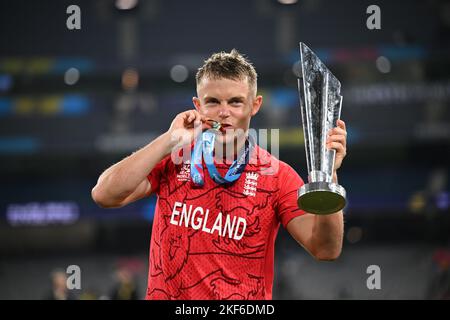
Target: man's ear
[[196, 102], [256, 105]]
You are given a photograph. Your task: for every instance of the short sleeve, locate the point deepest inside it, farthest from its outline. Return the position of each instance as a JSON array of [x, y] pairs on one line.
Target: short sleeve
[[290, 182], [155, 175]]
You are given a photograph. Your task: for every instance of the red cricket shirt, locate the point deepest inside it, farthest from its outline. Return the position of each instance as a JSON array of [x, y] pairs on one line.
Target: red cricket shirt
[[217, 241]]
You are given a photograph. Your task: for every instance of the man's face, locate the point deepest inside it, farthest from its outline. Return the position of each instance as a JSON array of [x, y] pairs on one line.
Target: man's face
[[230, 102]]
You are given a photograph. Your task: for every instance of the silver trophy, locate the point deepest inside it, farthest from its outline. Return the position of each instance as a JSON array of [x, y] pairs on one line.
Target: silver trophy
[[321, 104]]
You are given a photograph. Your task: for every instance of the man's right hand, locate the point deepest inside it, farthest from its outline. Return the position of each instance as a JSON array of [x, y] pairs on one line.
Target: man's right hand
[[185, 127], [126, 181]]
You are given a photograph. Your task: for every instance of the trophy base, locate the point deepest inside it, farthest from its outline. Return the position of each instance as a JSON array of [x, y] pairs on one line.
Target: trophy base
[[321, 198]]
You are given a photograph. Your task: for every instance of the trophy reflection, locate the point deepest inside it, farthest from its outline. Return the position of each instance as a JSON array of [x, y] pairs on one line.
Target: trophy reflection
[[321, 103]]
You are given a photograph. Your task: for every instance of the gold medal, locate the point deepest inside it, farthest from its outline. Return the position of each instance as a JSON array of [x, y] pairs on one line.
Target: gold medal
[[216, 125]]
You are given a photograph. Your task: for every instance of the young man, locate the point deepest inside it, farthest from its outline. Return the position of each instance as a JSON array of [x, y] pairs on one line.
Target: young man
[[216, 222]]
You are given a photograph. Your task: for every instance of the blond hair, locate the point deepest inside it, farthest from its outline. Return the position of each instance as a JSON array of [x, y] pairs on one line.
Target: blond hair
[[232, 65]]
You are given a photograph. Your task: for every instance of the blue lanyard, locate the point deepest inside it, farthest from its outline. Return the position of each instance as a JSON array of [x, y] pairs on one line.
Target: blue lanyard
[[204, 145]]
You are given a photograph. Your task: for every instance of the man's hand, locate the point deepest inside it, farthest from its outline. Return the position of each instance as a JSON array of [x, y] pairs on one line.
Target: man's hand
[[126, 181], [185, 127], [337, 140], [322, 235]]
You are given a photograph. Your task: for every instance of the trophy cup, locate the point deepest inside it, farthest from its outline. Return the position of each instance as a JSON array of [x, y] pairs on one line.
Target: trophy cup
[[321, 104]]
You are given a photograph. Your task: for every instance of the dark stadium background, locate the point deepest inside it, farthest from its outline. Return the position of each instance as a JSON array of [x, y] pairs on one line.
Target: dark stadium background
[[73, 102]]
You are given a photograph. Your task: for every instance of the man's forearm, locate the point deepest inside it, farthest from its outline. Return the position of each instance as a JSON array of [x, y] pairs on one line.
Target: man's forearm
[[327, 235], [121, 179]]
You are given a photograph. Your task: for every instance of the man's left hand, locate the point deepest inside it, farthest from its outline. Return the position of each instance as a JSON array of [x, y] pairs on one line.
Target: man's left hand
[[337, 140]]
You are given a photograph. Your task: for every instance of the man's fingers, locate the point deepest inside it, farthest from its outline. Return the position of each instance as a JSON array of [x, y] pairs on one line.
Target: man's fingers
[[197, 117], [336, 146], [206, 124], [341, 124], [337, 130], [192, 116], [337, 138], [187, 116]]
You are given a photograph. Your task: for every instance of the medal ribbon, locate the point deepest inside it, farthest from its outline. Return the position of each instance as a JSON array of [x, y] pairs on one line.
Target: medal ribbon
[[204, 146]]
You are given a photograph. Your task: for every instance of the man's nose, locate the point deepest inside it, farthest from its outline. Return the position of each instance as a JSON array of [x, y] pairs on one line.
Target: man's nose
[[224, 112]]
